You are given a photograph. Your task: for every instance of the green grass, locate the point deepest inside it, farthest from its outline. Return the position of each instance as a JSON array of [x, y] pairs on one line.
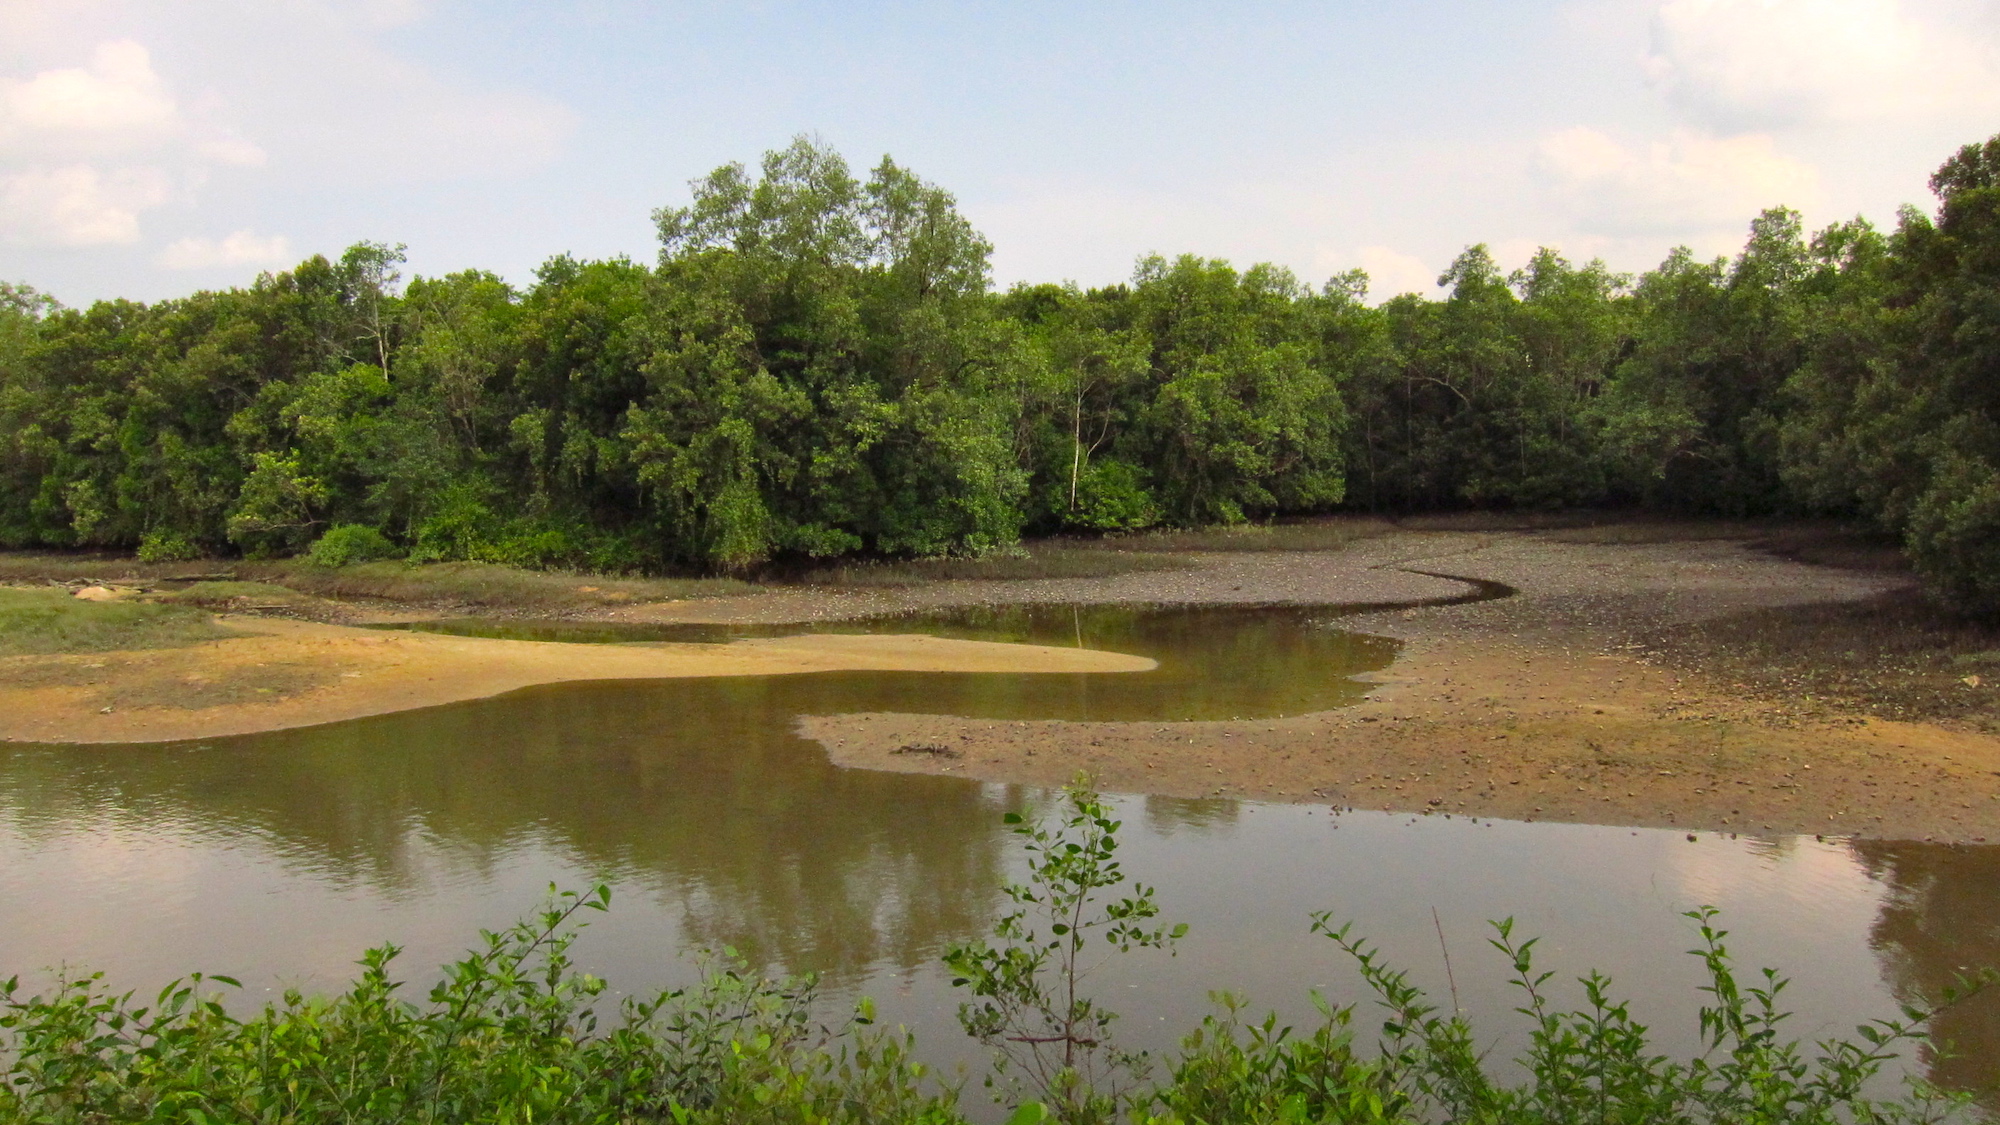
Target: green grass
[[481, 584], [36, 566], [223, 583], [40, 622], [232, 594]]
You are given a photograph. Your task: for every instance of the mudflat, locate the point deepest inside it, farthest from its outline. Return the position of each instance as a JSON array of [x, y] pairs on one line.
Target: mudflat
[[1553, 704]]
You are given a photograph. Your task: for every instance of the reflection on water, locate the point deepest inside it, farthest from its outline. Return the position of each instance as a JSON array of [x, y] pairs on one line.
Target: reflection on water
[[1942, 919], [1216, 662], [280, 856]]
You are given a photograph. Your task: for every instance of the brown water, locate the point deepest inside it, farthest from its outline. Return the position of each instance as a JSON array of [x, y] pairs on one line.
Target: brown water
[[278, 857]]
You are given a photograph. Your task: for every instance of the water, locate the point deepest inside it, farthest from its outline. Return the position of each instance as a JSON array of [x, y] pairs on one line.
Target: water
[[278, 857]]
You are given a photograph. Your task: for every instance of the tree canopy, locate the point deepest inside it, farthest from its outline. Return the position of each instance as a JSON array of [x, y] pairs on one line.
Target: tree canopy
[[817, 364]]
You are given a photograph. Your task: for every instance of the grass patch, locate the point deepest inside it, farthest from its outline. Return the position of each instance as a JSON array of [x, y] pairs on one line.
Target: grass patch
[[1042, 561], [482, 584], [222, 583], [41, 622], [1896, 656], [231, 594]]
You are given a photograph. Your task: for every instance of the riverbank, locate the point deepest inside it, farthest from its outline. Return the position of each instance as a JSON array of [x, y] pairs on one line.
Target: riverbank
[[1637, 675]]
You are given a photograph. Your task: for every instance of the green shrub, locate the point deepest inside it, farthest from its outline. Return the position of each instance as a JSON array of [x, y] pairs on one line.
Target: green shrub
[[1111, 496], [1954, 535], [511, 1034], [351, 543], [167, 547]]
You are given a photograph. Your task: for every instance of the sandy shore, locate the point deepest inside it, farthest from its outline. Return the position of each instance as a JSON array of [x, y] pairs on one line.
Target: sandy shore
[[281, 674]]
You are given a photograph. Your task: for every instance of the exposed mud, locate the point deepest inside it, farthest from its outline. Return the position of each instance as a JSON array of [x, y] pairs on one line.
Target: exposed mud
[[1552, 704]]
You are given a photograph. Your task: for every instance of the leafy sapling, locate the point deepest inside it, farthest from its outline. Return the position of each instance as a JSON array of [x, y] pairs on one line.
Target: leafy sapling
[[1049, 1038]]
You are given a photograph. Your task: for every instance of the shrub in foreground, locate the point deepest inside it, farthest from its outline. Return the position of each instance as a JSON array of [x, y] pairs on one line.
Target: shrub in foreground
[[512, 1033]]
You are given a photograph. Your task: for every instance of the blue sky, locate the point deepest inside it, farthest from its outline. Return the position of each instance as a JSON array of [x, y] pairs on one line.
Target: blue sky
[[149, 148]]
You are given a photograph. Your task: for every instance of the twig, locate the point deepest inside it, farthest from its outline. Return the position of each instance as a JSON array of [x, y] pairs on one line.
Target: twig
[[1448, 977]]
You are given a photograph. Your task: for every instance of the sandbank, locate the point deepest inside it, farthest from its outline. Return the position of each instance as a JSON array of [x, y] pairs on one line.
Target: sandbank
[[280, 673]]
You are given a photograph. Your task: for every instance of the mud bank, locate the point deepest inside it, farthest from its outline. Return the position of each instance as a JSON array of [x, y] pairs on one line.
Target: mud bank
[[1541, 706]]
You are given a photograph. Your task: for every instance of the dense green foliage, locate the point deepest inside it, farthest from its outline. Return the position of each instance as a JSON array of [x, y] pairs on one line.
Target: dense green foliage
[[818, 366], [511, 1033]]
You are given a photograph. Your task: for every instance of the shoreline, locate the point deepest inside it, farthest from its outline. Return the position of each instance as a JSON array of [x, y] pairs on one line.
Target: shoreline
[[1506, 732], [1543, 705], [1540, 706]]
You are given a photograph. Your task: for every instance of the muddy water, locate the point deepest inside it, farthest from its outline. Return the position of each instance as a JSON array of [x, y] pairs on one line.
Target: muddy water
[[277, 857]]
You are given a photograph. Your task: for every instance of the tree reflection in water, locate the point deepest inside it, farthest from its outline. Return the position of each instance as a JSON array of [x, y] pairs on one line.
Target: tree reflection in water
[[1941, 918], [699, 789]]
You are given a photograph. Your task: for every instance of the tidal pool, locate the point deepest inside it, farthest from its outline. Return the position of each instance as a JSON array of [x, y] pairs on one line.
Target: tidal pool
[[279, 857]]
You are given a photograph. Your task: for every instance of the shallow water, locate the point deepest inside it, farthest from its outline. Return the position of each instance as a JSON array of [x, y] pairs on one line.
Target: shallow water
[[1215, 662], [278, 857]]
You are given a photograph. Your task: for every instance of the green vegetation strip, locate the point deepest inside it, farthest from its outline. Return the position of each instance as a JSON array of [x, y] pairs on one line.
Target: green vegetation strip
[[39, 622]]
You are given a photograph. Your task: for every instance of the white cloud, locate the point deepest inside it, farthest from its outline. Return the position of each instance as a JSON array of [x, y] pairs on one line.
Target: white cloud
[[116, 107], [240, 248], [118, 92], [77, 205], [1688, 184], [1741, 65], [1392, 273], [85, 151]]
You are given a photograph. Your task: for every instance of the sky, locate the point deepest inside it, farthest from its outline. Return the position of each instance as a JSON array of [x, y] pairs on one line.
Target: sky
[[150, 148]]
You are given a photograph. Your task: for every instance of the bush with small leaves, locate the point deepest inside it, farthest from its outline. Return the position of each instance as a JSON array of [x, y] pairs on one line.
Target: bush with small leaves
[[351, 543], [167, 547]]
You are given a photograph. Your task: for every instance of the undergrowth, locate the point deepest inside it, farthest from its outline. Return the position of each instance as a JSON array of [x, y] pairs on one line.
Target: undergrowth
[[514, 1032]]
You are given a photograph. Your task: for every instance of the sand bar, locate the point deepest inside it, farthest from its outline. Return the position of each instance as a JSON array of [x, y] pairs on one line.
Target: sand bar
[[282, 674]]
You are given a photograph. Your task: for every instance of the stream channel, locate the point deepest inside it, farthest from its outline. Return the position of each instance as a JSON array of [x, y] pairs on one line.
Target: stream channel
[[278, 857]]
